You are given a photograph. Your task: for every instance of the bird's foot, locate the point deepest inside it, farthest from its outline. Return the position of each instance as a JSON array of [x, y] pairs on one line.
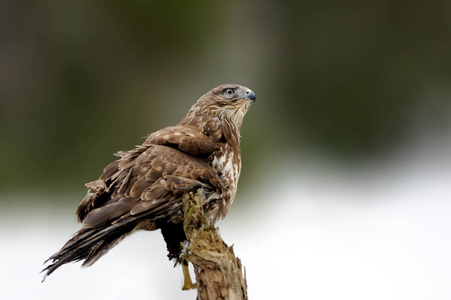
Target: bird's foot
[[187, 282]]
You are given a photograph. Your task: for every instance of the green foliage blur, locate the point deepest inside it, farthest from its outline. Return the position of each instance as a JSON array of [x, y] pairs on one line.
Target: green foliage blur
[[80, 80]]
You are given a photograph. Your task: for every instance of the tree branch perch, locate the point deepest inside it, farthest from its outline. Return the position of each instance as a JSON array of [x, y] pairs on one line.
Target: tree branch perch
[[218, 271]]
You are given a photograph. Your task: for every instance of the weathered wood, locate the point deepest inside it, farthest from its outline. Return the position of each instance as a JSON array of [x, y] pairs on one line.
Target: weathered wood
[[218, 271]]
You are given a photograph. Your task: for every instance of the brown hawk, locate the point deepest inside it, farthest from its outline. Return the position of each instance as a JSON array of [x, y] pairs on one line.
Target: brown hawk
[[144, 188]]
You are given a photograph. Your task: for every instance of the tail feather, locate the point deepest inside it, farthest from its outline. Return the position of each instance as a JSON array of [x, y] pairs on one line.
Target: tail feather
[[88, 244]]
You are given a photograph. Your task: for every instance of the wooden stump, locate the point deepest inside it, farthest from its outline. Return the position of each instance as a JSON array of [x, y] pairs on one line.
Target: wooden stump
[[218, 271]]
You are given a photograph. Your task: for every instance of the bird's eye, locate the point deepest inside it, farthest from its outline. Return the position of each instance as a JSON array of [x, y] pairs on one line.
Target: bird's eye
[[229, 92]]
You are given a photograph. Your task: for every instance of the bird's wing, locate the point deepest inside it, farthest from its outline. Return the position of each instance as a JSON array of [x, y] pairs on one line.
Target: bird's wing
[[188, 139], [148, 180]]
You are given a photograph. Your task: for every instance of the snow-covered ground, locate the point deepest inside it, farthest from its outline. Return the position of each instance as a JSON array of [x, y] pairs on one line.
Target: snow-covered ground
[[330, 233]]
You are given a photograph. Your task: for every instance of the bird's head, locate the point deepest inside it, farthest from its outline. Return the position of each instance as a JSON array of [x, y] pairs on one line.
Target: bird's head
[[230, 95], [227, 102]]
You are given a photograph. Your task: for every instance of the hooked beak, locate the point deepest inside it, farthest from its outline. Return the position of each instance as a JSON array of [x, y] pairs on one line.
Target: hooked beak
[[250, 95]]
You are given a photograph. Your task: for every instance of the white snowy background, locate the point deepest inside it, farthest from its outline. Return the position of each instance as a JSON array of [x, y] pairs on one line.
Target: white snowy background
[[313, 231]]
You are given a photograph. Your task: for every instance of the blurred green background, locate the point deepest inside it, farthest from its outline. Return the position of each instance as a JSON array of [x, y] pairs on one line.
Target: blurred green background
[[80, 80]]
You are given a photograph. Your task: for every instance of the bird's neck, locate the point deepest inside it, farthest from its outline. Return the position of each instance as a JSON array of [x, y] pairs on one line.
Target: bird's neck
[[218, 127]]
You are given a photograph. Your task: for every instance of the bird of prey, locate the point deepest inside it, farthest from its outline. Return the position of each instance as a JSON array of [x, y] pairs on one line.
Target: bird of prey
[[144, 188]]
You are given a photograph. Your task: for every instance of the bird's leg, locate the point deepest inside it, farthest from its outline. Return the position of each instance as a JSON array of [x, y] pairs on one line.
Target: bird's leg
[[187, 282]]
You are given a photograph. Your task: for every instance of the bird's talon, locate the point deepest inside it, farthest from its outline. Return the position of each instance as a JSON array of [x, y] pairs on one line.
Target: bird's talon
[[187, 282]]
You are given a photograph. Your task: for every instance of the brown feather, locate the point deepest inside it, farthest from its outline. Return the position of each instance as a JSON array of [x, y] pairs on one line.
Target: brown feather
[[143, 189]]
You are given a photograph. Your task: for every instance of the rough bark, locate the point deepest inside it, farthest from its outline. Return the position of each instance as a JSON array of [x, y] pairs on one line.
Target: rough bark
[[218, 271]]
